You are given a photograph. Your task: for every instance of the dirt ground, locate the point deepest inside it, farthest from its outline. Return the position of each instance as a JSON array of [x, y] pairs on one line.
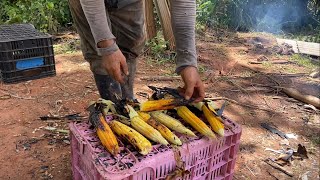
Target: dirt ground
[[30, 151]]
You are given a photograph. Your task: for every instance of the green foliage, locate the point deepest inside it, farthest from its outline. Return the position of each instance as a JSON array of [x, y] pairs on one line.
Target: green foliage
[[276, 16], [67, 47], [308, 36], [202, 68], [305, 61], [212, 12], [266, 64], [46, 15], [159, 51]]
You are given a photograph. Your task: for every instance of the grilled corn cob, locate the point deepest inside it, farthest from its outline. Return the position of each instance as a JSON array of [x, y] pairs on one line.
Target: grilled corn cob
[[171, 123], [215, 123], [194, 121], [162, 104], [145, 129], [145, 116], [164, 131], [142, 144], [106, 136], [211, 117]]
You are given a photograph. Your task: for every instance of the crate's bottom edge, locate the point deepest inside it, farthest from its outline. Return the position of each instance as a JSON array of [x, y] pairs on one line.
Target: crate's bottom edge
[[21, 79]]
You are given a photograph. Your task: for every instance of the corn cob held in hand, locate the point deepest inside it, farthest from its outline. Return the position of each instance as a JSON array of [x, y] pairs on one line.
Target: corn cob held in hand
[[194, 121], [164, 131], [145, 129], [142, 144], [171, 123]]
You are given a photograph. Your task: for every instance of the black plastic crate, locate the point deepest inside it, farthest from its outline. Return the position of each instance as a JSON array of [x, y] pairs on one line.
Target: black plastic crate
[[25, 53]]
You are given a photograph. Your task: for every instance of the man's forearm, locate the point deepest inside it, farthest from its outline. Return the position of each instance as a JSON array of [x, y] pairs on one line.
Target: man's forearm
[[183, 14], [96, 15]]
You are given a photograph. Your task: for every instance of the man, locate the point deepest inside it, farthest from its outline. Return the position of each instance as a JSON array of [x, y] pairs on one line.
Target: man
[[112, 36]]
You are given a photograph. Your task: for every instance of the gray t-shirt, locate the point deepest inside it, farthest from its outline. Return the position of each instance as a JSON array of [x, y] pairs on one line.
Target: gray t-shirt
[[183, 14]]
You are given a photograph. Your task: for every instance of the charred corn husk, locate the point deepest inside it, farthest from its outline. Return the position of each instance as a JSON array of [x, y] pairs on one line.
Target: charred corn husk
[[212, 106], [144, 128], [171, 123], [194, 121], [213, 120], [142, 144], [164, 131], [106, 136], [162, 104]]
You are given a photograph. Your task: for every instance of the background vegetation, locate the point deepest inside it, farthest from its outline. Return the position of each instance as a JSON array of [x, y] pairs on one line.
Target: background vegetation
[[46, 15], [294, 18], [297, 18]]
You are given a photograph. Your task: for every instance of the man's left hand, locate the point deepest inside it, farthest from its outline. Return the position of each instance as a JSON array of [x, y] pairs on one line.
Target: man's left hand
[[193, 85]]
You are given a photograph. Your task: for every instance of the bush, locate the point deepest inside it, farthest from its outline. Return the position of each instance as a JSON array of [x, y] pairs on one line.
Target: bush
[[46, 15]]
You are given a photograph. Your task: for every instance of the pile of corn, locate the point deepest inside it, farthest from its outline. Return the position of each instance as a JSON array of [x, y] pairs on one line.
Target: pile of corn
[[149, 123]]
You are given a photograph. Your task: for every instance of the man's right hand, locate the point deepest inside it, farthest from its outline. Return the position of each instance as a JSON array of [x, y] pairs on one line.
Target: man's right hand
[[114, 63]]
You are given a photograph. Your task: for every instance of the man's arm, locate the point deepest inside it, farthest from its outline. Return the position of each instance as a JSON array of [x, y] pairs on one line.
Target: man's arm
[[95, 12], [113, 60], [183, 14]]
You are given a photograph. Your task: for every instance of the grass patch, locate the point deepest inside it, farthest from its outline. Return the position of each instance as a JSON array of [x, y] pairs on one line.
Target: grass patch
[[157, 49], [242, 52], [202, 69], [289, 69], [315, 140], [267, 64], [304, 61], [247, 73], [68, 47]]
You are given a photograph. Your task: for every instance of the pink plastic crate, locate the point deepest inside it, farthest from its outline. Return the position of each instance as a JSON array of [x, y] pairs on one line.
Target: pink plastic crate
[[203, 158]]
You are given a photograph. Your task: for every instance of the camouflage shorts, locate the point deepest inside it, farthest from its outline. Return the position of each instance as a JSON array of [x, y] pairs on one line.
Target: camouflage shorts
[[126, 17]]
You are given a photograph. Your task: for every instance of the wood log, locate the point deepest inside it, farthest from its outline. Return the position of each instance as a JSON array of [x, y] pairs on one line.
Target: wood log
[[278, 167], [308, 99], [272, 62], [165, 20], [150, 19]]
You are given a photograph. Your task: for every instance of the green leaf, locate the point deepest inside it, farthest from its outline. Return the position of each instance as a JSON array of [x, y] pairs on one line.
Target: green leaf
[[50, 5]]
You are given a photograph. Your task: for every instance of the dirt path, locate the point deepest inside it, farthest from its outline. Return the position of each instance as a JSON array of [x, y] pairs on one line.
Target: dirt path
[[29, 151]]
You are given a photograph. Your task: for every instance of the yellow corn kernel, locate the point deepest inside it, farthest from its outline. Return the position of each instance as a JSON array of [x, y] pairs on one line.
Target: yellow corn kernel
[[194, 121], [171, 123], [142, 144], [106, 136], [145, 116], [164, 131], [145, 129], [213, 120], [162, 104]]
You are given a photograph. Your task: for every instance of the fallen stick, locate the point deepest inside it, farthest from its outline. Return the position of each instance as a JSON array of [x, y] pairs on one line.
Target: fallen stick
[[237, 103], [278, 167], [272, 175], [15, 96], [272, 62], [161, 78], [308, 99]]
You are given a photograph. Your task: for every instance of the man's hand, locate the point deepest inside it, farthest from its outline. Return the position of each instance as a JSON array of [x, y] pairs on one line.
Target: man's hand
[[114, 63], [193, 86]]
